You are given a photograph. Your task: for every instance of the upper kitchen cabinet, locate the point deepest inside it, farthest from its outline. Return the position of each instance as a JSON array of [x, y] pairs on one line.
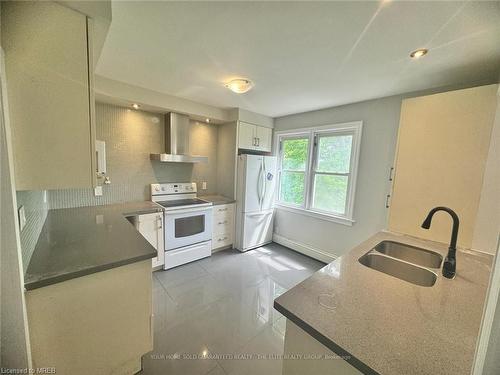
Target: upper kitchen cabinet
[[443, 145], [246, 135], [264, 138], [51, 103], [254, 137]]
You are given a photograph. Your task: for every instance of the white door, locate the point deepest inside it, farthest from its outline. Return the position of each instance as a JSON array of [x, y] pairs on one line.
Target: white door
[[257, 229], [246, 136], [252, 182], [269, 182], [264, 138], [151, 227]]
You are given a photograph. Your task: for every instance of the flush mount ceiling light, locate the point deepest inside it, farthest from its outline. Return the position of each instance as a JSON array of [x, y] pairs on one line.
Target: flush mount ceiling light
[[239, 86], [418, 53], [136, 106]]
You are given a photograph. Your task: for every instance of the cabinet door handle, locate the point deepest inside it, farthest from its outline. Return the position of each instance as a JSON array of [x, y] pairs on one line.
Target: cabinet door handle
[[160, 223], [387, 200], [222, 222], [258, 142], [222, 239], [222, 209]]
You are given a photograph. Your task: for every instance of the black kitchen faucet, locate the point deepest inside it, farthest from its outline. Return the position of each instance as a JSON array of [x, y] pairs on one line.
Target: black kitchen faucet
[[450, 263]]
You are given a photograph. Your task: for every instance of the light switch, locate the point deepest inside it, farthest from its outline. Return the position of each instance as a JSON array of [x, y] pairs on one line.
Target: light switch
[[22, 218], [98, 191], [204, 185]]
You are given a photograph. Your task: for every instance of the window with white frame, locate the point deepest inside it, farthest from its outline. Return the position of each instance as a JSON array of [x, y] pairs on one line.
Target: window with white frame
[[317, 169]]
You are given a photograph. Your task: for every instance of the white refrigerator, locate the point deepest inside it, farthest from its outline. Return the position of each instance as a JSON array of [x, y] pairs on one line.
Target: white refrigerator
[[255, 189]]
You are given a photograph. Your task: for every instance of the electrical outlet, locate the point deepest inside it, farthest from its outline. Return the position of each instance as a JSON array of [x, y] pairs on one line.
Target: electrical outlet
[[204, 185], [22, 218], [98, 191]]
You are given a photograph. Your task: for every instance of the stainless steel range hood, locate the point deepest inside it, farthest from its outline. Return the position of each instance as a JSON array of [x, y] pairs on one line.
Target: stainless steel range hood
[[177, 141]]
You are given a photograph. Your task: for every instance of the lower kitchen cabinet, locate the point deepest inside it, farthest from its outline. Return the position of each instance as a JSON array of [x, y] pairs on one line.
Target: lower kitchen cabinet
[[223, 226], [95, 324], [151, 227], [305, 355]]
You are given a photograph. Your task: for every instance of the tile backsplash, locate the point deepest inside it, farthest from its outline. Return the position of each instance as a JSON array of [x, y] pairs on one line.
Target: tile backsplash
[[130, 136], [35, 206]]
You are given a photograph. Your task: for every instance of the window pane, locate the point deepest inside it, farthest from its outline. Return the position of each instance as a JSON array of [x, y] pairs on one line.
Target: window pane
[[295, 154], [330, 193], [292, 187], [334, 153]]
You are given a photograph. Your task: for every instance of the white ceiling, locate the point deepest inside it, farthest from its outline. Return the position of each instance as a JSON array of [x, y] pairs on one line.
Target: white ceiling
[[300, 55]]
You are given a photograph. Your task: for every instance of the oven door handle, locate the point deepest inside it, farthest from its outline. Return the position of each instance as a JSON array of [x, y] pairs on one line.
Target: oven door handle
[[187, 210]]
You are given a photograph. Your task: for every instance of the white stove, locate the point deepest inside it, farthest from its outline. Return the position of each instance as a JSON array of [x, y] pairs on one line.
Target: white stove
[[188, 223]]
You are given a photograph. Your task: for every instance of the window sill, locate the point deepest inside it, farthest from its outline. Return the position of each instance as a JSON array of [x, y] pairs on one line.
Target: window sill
[[317, 215]]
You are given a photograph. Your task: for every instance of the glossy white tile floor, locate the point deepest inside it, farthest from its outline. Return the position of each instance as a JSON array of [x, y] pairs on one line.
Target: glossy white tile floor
[[221, 307]]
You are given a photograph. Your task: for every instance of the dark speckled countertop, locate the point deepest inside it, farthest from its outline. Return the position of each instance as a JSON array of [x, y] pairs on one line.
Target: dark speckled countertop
[[75, 242], [388, 326]]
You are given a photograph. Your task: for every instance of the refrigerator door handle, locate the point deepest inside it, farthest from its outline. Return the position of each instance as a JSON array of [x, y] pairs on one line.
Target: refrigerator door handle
[[259, 188], [264, 181], [263, 191]]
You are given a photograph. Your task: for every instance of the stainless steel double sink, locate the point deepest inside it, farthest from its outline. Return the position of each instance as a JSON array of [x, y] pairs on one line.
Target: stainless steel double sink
[[404, 262]]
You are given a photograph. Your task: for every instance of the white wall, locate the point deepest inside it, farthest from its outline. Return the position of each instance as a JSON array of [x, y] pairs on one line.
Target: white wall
[[442, 152], [226, 159], [15, 352], [203, 140], [487, 228], [239, 114], [380, 124], [115, 92]]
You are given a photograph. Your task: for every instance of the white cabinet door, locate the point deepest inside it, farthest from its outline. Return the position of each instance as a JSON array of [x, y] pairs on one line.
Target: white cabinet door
[[246, 136], [223, 226], [264, 138], [46, 61], [151, 227]]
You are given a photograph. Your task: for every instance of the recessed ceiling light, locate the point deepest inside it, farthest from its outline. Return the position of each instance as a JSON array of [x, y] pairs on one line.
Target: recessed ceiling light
[[136, 106], [207, 120], [419, 53], [239, 86]]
